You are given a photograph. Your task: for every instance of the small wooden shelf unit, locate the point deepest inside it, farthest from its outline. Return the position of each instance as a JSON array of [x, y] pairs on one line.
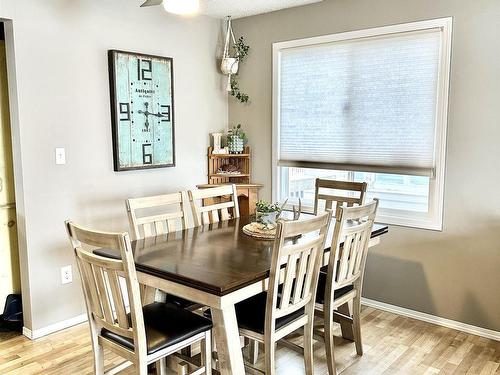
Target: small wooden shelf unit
[[248, 193], [216, 161]]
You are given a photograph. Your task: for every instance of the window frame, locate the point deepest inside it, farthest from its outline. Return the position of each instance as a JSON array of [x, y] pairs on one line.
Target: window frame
[[433, 219]]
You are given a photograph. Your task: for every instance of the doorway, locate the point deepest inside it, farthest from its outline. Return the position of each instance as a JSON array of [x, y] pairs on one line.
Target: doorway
[[10, 282]]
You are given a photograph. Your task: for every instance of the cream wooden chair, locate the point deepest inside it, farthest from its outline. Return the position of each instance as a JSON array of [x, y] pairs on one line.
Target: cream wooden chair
[[323, 192], [154, 224], [153, 216], [270, 316], [343, 281], [214, 204], [141, 335]]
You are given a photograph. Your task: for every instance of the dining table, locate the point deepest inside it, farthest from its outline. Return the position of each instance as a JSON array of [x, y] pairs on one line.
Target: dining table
[[217, 266]]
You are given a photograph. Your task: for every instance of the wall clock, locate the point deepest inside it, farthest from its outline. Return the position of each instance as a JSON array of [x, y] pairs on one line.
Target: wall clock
[[142, 110]]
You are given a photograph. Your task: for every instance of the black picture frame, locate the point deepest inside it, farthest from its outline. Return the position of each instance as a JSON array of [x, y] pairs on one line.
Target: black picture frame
[[115, 115]]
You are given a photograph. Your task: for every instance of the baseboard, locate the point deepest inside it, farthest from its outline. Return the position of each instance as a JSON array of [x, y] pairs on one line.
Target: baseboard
[[467, 328], [37, 333]]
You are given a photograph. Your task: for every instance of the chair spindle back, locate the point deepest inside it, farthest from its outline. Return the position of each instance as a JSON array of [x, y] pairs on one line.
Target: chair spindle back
[[298, 251], [101, 282], [221, 204], [158, 223], [353, 228], [323, 187]]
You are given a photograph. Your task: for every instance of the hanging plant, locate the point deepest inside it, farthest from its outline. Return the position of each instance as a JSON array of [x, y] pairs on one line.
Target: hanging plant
[[230, 62]]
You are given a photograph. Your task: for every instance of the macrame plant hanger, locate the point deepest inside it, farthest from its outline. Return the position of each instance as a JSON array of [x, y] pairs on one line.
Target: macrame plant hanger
[[229, 65]]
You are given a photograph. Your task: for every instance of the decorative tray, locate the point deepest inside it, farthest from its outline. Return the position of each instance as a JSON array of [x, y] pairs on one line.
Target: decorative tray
[[260, 231]]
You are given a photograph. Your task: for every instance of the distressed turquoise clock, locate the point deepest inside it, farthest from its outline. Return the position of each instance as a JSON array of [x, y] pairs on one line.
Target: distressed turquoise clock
[[142, 108]]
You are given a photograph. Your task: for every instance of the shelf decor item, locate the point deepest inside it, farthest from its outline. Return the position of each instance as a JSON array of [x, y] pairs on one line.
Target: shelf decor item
[[142, 109], [217, 142], [236, 139]]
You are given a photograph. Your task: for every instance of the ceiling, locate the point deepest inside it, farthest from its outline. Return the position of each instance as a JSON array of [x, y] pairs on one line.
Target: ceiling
[[244, 8]]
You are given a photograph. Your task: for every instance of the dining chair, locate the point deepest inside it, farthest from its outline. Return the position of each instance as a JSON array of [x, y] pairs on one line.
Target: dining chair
[[213, 205], [343, 282], [326, 190], [153, 222], [289, 301], [139, 334], [158, 215]]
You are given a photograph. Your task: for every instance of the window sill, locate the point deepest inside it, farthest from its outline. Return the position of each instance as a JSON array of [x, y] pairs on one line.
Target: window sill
[[414, 220]]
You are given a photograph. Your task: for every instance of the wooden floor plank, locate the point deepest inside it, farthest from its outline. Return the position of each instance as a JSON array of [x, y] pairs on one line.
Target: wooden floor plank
[[393, 345]]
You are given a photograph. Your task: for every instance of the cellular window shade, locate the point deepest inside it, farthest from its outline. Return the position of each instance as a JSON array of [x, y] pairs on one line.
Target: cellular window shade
[[367, 104]]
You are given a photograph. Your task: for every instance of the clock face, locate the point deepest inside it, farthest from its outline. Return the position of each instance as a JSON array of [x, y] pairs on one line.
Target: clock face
[[142, 100]]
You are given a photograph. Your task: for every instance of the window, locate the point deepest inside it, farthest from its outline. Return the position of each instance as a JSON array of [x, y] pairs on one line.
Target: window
[[367, 105]]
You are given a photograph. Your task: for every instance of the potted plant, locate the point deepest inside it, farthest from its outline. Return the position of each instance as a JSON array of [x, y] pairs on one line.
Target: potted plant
[[267, 213], [231, 60], [236, 139]]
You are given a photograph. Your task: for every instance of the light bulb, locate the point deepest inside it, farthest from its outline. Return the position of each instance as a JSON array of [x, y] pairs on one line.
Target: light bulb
[[181, 6]]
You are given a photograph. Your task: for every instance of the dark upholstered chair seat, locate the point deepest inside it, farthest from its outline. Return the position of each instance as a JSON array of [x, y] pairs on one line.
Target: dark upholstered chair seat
[[251, 314], [320, 294], [166, 324]]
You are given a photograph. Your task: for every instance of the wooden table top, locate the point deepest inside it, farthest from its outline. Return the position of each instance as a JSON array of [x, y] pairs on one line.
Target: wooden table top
[[216, 258]]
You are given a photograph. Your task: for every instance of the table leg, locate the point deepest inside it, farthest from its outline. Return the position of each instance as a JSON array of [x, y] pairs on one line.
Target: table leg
[[227, 339], [346, 327]]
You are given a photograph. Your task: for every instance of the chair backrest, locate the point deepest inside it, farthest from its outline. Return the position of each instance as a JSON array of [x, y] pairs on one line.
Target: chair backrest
[[355, 194], [297, 253], [101, 283], [155, 224], [353, 228], [214, 204]]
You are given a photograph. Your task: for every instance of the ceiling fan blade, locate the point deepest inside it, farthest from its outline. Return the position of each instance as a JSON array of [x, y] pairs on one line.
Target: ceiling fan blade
[[150, 3]]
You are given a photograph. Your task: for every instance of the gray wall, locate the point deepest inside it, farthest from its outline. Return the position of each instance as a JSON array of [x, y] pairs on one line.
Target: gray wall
[[454, 273], [62, 98]]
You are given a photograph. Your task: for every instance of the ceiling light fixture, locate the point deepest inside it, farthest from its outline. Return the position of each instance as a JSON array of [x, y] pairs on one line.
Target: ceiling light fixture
[[184, 7], [181, 6]]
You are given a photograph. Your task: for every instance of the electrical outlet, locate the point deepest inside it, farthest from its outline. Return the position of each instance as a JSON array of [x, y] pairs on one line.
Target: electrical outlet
[[66, 274]]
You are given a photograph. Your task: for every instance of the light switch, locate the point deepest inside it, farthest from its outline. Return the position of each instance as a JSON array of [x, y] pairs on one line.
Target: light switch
[[60, 155]]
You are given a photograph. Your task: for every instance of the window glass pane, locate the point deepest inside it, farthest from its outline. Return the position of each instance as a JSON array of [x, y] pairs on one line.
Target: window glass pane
[[399, 192]]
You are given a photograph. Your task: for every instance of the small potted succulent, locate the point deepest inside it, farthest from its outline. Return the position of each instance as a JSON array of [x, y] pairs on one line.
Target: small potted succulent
[[267, 213], [236, 139]]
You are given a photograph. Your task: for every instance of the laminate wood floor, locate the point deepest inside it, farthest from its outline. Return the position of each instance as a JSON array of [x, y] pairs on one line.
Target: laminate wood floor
[[393, 344]]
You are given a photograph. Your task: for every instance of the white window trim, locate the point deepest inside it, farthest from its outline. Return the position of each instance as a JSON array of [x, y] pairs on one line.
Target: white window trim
[[434, 218]]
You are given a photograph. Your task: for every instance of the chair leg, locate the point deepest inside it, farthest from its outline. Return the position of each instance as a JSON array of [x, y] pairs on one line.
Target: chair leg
[[98, 359], [206, 353], [96, 348], [141, 368], [356, 324], [308, 346], [253, 351], [329, 344], [269, 354], [161, 366]]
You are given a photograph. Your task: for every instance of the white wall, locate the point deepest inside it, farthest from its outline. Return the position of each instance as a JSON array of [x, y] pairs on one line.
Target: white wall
[[63, 98]]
